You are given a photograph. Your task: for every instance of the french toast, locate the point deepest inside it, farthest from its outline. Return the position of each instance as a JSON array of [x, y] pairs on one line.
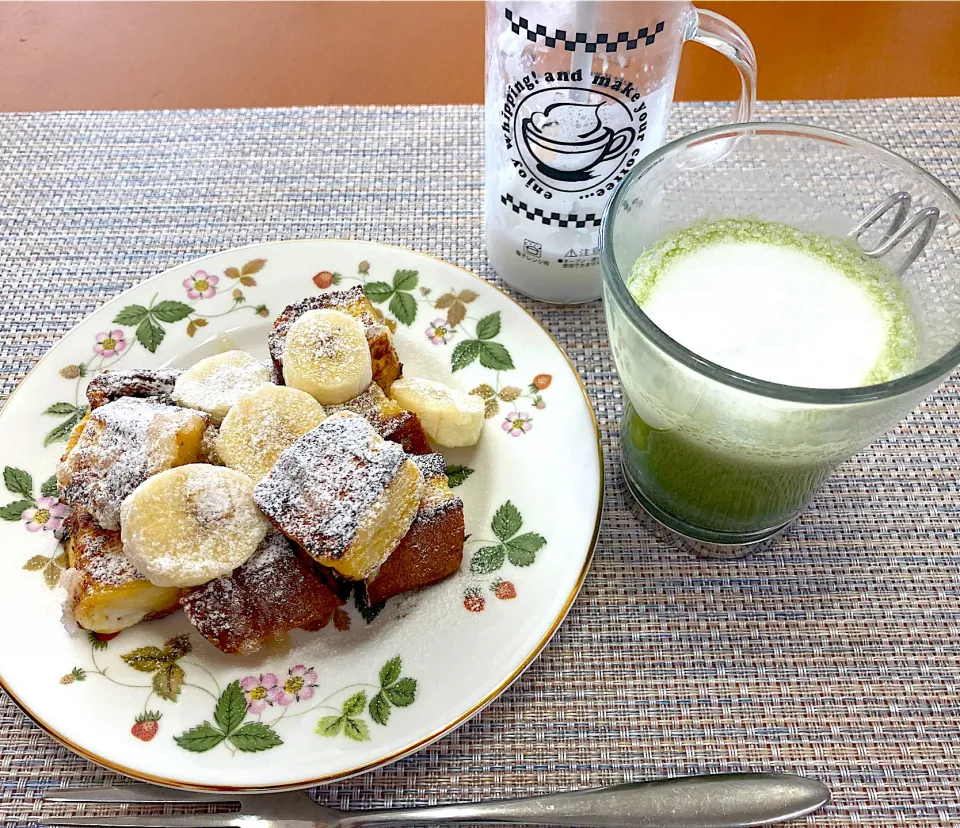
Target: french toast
[[272, 593], [260, 497], [389, 419], [345, 494], [119, 446], [75, 436], [433, 547], [353, 302], [143, 383], [106, 593]]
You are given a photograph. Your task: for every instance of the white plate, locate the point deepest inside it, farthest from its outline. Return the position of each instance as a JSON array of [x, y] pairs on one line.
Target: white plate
[[369, 694]]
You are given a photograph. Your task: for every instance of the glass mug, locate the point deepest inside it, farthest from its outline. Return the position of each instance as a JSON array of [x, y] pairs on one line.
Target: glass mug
[[576, 94], [724, 460]]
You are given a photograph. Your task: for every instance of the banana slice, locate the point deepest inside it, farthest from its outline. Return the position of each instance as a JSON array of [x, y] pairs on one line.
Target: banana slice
[[191, 524], [264, 424], [326, 355], [216, 383], [450, 417]]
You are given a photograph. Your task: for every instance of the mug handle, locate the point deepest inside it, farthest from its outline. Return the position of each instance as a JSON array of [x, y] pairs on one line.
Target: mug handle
[[727, 38], [618, 144]]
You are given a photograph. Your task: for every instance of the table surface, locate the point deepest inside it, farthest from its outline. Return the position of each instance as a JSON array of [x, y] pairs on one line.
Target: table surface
[[835, 655]]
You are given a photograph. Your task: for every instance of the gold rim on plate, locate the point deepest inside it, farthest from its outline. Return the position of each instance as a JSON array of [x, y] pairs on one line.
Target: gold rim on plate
[[437, 734]]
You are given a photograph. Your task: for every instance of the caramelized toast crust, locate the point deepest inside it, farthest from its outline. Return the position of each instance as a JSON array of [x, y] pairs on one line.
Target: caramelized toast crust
[[144, 383], [433, 548], [272, 593], [389, 419]]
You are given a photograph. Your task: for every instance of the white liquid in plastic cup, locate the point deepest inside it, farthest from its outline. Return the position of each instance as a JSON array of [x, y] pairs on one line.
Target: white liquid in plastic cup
[[576, 94]]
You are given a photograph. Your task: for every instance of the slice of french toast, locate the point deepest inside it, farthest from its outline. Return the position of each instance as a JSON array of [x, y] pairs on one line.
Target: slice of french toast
[[106, 593], [143, 383], [344, 494], [118, 446], [433, 547], [272, 593], [390, 420]]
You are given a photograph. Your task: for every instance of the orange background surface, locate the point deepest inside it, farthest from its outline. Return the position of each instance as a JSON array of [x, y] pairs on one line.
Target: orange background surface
[[149, 55]]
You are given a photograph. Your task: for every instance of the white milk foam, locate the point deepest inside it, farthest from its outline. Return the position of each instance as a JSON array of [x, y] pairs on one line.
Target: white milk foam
[[771, 313], [774, 312]]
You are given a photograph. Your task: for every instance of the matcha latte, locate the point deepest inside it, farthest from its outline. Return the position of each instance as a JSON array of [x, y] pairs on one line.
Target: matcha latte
[[776, 304], [772, 302]]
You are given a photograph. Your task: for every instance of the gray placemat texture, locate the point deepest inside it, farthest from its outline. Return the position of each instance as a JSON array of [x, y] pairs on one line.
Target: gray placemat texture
[[835, 655]]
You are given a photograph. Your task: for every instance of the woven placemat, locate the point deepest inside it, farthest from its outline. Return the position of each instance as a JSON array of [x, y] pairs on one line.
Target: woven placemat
[[836, 655]]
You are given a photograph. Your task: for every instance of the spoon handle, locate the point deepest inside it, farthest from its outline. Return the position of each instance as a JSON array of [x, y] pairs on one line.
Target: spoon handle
[[732, 800]]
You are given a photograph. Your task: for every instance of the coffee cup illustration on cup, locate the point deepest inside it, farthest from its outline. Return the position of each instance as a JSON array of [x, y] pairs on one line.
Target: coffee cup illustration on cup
[[568, 140]]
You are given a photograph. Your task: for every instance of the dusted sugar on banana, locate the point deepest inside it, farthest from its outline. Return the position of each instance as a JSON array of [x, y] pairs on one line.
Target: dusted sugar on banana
[[345, 494], [122, 444], [189, 525], [263, 424], [433, 547], [106, 592], [213, 385], [353, 302], [272, 593], [143, 383], [326, 355], [450, 417], [390, 420]]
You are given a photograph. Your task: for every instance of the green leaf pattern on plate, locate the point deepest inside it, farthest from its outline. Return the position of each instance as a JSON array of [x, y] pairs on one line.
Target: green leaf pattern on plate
[[229, 726], [248, 714], [520, 550], [393, 691]]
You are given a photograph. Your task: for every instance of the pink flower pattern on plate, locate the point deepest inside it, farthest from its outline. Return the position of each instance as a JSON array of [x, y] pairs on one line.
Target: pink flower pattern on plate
[[257, 690], [439, 332], [517, 423], [300, 685], [47, 515], [110, 343], [201, 285]]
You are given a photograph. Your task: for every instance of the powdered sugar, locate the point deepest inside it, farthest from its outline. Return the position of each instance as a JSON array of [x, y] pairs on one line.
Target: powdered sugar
[[98, 553], [216, 383], [124, 442], [437, 498], [143, 383], [208, 446], [265, 423], [326, 482], [327, 355], [351, 301], [431, 465], [376, 408], [271, 593], [113, 570], [208, 498], [188, 525]]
